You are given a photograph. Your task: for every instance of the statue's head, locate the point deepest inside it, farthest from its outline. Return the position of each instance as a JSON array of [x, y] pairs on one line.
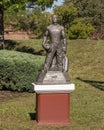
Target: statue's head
[[54, 19]]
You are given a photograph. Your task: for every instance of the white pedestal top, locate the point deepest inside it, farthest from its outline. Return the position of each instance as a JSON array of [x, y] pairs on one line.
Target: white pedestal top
[[62, 88]]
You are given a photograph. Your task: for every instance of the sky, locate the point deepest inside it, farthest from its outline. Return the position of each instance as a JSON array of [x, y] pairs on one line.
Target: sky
[[58, 2]]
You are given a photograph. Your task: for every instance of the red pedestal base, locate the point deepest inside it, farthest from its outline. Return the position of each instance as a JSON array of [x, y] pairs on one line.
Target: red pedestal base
[[53, 109]]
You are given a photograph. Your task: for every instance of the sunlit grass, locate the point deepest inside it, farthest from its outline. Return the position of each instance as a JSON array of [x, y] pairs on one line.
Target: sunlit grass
[[86, 71]]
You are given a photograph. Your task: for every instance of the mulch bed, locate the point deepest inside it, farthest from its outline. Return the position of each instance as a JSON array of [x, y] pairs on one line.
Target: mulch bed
[[7, 95]]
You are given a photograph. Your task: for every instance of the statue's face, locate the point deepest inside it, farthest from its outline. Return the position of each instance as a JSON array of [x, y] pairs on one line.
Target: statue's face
[[54, 19]]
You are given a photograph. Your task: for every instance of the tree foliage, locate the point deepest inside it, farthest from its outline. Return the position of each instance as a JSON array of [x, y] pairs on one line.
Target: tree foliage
[[16, 5], [76, 27], [92, 10], [66, 13], [33, 21], [79, 30]]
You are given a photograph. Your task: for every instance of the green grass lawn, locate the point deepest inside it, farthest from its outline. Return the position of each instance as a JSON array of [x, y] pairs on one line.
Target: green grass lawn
[[86, 70]]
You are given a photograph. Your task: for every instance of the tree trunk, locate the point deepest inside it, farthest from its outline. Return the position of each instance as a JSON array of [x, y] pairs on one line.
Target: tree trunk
[[1, 27]]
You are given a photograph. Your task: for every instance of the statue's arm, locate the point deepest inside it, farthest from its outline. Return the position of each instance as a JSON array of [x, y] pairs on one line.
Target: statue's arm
[[64, 39], [45, 37]]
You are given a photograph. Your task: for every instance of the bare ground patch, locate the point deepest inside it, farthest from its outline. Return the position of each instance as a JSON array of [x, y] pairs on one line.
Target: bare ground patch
[[16, 36]]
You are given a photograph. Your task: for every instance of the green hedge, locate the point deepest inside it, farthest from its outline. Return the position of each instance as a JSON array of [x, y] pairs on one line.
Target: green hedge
[[18, 70]]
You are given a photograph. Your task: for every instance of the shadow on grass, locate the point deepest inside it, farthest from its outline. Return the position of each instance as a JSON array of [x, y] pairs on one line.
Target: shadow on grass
[[96, 84], [32, 116], [10, 44], [13, 45], [29, 50]]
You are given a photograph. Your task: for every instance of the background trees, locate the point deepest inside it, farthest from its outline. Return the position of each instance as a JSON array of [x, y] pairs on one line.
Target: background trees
[[4, 5], [1, 27], [15, 5], [32, 21], [81, 18], [76, 27], [91, 11]]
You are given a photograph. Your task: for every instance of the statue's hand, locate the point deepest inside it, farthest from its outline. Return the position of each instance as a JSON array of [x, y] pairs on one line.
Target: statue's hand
[[46, 46], [64, 49]]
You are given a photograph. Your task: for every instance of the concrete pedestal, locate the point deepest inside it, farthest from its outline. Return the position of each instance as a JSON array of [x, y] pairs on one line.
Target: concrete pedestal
[[53, 104]]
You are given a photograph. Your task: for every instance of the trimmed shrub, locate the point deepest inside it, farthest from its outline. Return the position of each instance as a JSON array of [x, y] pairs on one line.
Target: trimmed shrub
[[79, 30], [18, 70]]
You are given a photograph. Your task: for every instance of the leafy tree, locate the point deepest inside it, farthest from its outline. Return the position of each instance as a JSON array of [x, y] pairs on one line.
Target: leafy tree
[[1, 27], [43, 20], [79, 30], [32, 21], [75, 27], [92, 11], [16, 5], [66, 13]]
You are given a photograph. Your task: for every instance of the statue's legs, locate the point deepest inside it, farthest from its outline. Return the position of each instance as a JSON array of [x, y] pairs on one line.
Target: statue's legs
[[47, 65], [58, 53], [48, 61], [53, 65], [59, 56]]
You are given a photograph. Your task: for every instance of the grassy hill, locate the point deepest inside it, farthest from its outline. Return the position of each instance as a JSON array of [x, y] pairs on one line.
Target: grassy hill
[[86, 70]]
